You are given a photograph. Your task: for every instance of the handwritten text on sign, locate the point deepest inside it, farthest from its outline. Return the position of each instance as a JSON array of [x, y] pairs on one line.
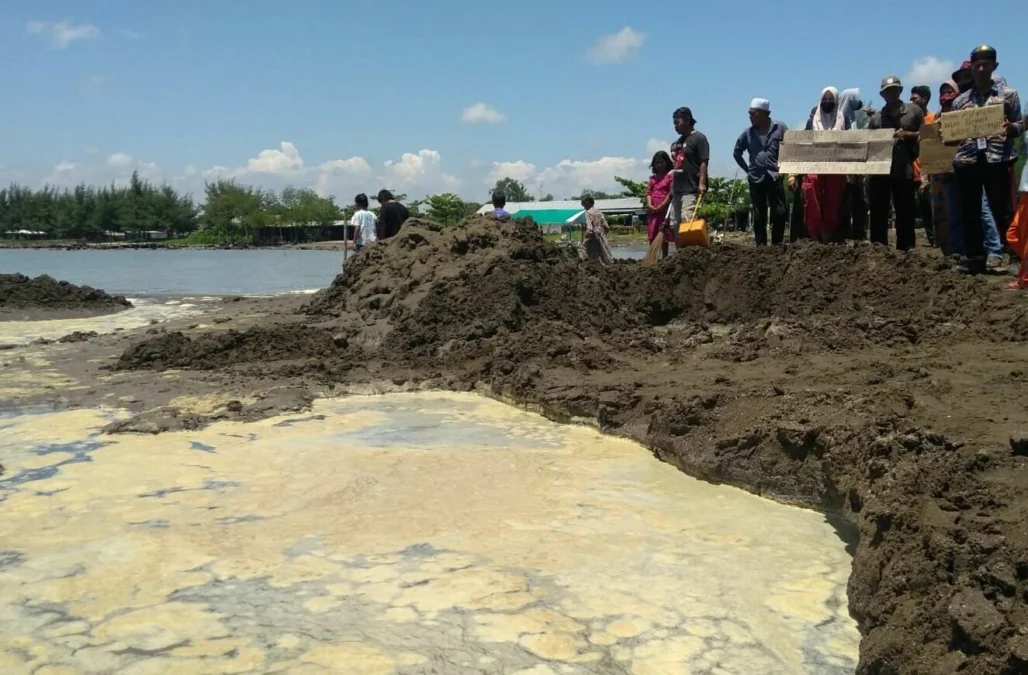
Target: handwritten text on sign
[[982, 122]]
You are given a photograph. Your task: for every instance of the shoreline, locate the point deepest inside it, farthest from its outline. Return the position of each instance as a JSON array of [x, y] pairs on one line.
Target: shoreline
[[615, 242]]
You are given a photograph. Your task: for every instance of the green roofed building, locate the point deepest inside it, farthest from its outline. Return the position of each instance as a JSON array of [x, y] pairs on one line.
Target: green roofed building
[[552, 216], [557, 215]]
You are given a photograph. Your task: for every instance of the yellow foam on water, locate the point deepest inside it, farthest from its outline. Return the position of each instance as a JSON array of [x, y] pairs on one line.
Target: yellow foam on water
[[340, 545]]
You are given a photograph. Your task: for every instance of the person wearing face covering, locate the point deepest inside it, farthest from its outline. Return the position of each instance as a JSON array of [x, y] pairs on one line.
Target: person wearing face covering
[[823, 194]]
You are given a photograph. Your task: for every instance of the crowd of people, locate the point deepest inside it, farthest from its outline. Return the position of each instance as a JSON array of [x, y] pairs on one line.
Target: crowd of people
[[969, 213]]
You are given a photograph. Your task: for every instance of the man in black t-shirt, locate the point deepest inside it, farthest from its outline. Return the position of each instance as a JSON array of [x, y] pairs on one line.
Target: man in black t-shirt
[[692, 155], [391, 216], [898, 186]]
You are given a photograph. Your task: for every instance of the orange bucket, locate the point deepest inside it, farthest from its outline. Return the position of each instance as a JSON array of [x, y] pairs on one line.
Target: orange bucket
[[693, 232]]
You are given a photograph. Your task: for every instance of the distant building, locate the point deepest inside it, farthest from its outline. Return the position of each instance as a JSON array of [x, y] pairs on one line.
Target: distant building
[[555, 215]]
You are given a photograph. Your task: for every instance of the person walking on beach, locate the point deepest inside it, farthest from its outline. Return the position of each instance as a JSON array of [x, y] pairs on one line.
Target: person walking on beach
[[898, 187], [823, 194], [986, 163], [364, 223], [691, 160], [391, 215], [594, 234], [658, 201], [762, 141]]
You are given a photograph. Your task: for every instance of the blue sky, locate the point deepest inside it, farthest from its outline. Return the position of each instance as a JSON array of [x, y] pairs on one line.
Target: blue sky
[[431, 95]]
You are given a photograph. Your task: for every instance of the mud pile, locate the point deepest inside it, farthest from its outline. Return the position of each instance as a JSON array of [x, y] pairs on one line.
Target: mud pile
[[858, 380], [18, 291]]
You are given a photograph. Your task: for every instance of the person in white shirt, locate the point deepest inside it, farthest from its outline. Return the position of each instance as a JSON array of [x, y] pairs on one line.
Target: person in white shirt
[[364, 223]]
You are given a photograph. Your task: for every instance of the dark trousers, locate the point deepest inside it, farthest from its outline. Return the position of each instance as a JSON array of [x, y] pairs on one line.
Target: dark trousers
[[995, 180], [765, 195], [854, 210], [924, 205], [881, 190], [797, 227]]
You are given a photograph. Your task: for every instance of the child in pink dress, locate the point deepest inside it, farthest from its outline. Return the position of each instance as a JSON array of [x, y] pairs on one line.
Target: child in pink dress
[[658, 199]]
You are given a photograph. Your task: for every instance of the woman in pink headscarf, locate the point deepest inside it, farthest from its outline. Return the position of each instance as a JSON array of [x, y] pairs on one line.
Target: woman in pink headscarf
[[823, 195]]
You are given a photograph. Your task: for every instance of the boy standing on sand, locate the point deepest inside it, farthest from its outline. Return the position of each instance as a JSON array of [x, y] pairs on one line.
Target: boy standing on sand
[[363, 223]]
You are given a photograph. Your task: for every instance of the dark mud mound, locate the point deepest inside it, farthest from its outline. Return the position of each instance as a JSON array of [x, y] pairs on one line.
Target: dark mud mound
[[434, 289], [18, 291], [221, 350], [852, 360]]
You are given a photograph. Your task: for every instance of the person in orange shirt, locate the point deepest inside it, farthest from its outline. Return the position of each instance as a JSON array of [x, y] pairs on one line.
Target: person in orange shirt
[[921, 96], [1017, 235]]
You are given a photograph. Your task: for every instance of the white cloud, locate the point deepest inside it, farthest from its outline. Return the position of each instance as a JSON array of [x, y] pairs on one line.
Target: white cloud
[[130, 34], [482, 113], [62, 33], [569, 177], [519, 170], [123, 165], [285, 161], [655, 145], [65, 173], [422, 172], [928, 70], [616, 47]]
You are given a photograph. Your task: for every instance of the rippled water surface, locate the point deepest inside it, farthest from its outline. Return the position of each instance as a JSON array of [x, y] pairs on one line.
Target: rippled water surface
[[416, 533]]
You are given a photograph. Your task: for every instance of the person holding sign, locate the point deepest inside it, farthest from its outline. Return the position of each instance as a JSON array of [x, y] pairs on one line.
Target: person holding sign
[[985, 162], [823, 195], [898, 186]]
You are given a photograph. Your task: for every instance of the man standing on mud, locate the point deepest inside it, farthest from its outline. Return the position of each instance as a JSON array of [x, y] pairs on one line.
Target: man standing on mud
[[391, 215], [690, 160], [761, 141], [898, 187], [986, 162]]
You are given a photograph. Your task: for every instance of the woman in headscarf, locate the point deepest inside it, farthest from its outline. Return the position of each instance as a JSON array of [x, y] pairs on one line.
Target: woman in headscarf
[[823, 195]]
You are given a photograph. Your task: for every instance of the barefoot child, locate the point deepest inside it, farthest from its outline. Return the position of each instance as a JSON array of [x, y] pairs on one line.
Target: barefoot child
[[658, 199]]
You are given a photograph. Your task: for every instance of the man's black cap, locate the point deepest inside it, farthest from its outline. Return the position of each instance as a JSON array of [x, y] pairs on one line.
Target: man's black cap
[[983, 53], [685, 113]]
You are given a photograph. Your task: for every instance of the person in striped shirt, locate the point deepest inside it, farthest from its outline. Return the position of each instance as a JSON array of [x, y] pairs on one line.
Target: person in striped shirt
[[986, 162]]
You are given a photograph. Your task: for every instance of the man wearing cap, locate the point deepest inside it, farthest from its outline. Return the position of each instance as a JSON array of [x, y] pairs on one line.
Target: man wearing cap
[[898, 186], [691, 159], [762, 140], [986, 162]]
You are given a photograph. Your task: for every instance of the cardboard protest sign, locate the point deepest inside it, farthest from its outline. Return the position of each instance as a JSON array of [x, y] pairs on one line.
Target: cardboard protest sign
[[857, 152], [936, 157], [983, 122]]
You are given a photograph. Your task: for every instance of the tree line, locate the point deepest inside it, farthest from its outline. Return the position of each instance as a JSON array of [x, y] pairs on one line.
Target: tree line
[[232, 211]]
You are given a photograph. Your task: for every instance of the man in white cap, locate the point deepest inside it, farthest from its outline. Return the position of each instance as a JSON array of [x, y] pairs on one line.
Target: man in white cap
[[762, 140]]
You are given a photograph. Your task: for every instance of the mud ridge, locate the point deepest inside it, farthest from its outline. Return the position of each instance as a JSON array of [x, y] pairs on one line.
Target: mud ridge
[[19, 292], [850, 379]]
